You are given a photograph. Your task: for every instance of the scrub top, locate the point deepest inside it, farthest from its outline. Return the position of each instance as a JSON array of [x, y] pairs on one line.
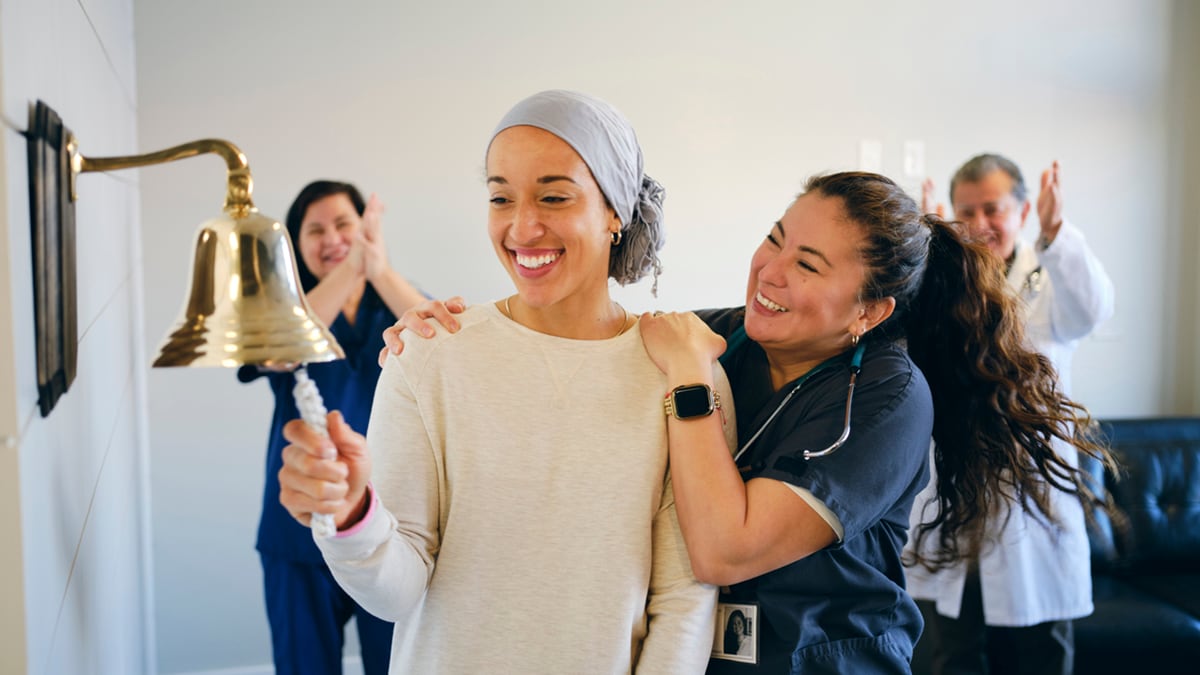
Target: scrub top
[[843, 609], [346, 385]]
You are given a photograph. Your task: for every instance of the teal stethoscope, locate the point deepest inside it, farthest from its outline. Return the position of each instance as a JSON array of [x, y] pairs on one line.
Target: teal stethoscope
[[739, 337]]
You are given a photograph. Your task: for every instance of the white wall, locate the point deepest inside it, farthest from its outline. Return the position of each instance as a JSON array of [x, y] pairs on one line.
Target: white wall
[[1188, 110], [1184, 208], [75, 569], [735, 103]]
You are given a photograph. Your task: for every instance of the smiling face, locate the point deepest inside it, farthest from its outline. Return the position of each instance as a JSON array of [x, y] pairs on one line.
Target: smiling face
[[802, 299], [328, 227], [737, 625], [548, 220], [991, 213]]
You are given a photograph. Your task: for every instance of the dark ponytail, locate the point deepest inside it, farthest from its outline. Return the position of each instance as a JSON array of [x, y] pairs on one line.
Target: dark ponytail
[[997, 406]]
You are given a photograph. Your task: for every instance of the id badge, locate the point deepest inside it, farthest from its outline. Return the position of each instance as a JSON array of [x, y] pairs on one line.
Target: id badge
[[736, 636]]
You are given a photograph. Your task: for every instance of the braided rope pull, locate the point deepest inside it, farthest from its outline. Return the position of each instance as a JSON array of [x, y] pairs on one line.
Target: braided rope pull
[[312, 411]]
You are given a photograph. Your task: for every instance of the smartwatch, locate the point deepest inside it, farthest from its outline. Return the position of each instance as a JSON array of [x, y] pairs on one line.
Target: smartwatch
[[690, 401]]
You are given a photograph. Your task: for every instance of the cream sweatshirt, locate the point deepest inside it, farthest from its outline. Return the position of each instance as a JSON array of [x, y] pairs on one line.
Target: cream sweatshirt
[[526, 522]]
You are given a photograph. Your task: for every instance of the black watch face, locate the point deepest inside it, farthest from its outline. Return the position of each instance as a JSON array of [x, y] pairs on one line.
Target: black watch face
[[692, 402]]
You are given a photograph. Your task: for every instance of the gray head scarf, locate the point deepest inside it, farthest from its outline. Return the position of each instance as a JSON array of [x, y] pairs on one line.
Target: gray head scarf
[[606, 142]]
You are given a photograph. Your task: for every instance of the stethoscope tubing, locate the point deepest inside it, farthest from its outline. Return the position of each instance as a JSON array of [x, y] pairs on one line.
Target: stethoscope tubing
[[855, 368]]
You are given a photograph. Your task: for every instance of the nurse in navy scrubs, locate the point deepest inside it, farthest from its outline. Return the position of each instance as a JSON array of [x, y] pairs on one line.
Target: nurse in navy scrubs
[[868, 328], [350, 285]]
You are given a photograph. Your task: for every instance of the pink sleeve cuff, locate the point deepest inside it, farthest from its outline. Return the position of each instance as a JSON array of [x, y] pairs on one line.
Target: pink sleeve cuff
[[372, 500]]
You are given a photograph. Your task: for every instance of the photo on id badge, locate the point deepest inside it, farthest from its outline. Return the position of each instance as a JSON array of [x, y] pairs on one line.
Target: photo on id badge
[[736, 639]]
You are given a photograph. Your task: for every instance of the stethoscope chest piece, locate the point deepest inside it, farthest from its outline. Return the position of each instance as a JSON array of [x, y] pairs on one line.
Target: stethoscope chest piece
[[1033, 283]]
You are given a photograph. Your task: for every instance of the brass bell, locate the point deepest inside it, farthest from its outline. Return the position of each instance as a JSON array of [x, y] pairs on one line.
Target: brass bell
[[246, 306]]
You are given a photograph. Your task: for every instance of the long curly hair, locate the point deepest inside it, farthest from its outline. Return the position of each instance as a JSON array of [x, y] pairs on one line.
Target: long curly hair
[[998, 410]]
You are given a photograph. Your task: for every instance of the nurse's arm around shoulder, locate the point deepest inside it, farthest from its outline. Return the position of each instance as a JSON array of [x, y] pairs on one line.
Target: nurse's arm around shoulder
[[734, 530]]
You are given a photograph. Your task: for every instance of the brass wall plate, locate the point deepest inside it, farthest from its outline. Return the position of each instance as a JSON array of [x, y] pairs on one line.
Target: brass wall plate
[[52, 216]]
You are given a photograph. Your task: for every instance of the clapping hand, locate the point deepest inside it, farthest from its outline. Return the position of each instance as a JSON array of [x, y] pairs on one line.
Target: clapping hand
[[1049, 204]]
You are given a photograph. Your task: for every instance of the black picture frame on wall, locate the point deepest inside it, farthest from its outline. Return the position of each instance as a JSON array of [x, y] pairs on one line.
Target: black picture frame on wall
[[52, 216]]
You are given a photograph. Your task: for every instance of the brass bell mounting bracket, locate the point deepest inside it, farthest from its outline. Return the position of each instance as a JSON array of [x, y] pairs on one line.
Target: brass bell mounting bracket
[[241, 184]]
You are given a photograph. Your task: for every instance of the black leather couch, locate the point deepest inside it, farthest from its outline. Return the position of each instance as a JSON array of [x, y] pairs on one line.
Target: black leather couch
[[1146, 575]]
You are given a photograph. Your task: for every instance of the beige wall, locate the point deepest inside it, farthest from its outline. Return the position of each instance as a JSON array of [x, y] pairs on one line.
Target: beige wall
[[75, 565]]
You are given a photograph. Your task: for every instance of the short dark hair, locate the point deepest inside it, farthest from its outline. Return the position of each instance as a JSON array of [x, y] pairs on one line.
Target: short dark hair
[[979, 166], [316, 191]]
